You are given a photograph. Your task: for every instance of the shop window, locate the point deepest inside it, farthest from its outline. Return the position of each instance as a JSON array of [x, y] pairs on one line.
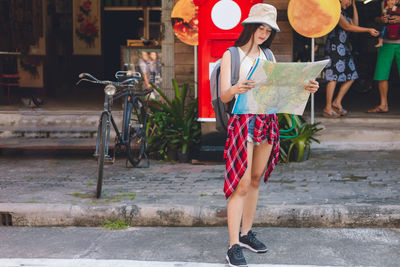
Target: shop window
[[150, 18], [154, 24], [131, 28]]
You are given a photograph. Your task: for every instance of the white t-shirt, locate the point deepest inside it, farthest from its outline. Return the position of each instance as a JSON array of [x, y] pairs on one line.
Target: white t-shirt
[[245, 66], [246, 63]]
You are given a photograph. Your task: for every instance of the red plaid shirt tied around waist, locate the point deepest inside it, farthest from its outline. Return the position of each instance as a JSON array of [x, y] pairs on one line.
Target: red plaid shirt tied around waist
[[235, 153]]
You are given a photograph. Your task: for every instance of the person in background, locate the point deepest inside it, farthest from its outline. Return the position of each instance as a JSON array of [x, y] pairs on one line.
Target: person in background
[[144, 63], [155, 68], [386, 54], [390, 9], [341, 67]]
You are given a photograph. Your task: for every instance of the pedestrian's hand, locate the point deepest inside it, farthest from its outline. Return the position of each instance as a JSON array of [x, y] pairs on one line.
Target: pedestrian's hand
[[394, 20], [243, 87], [373, 32], [385, 19], [312, 86]]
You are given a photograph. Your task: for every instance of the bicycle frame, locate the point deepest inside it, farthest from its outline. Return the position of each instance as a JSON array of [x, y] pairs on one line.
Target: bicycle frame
[[121, 137], [113, 91]]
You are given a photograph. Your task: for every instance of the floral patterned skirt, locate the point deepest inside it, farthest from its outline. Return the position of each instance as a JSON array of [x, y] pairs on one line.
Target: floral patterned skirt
[[341, 68]]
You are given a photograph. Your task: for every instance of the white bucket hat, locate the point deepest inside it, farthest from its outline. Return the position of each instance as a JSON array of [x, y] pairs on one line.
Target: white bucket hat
[[264, 14]]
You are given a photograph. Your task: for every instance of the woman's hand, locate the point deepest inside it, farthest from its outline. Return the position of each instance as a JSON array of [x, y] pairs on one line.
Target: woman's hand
[[242, 87], [373, 32], [312, 86]]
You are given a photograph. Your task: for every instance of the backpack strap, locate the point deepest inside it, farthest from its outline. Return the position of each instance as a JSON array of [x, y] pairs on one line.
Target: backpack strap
[[268, 54], [235, 64]]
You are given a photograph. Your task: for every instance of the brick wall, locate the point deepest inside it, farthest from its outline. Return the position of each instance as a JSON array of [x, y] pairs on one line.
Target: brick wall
[[283, 43], [184, 62]]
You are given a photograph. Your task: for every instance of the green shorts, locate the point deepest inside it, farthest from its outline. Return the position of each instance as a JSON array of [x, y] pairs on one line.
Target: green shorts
[[386, 54]]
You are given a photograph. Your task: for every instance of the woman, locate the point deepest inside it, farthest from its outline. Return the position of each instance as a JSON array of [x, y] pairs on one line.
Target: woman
[[342, 67], [251, 138]]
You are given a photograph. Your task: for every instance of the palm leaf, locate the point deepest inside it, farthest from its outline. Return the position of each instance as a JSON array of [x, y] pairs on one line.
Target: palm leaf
[[176, 88], [161, 93]]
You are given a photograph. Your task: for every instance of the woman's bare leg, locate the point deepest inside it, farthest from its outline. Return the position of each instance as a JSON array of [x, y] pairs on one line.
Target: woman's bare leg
[[330, 90], [342, 92], [236, 200], [260, 160]]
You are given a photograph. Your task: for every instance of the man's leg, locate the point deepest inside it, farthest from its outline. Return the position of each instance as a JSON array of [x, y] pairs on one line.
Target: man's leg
[[383, 87], [383, 65], [383, 92]]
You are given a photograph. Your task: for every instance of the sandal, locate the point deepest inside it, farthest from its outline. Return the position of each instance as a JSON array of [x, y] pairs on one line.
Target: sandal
[[342, 111], [331, 115], [377, 109]]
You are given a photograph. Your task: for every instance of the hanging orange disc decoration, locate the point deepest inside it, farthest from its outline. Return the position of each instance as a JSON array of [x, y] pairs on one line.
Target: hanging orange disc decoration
[[314, 18], [185, 22]]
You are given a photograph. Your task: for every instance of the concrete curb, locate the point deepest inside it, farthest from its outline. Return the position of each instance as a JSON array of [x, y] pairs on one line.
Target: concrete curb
[[26, 214]]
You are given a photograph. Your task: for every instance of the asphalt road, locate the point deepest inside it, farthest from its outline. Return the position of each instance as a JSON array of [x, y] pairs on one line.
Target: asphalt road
[[194, 247]]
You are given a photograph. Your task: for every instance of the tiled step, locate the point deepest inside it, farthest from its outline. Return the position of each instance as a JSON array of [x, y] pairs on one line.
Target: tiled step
[[359, 133], [51, 129], [74, 129], [48, 143]]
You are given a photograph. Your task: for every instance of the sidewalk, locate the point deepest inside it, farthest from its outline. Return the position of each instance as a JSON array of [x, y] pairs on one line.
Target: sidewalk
[[332, 189], [76, 129]]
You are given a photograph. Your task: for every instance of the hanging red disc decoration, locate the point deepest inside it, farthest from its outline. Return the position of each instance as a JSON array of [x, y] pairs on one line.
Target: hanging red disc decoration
[[185, 22]]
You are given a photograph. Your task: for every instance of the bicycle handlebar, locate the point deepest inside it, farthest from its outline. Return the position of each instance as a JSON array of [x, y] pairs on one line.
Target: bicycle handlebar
[[127, 83], [121, 74]]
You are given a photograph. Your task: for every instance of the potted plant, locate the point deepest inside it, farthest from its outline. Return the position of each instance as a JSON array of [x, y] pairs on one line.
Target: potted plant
[[296, 136], [177, 126], [185, 132]]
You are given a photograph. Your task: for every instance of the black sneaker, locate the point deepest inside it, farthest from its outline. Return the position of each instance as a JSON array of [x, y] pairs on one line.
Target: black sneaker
[[250, 241], [235, 257]]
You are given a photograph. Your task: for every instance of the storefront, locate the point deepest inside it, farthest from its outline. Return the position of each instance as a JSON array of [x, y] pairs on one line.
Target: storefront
[[45, 44], [59, 39]]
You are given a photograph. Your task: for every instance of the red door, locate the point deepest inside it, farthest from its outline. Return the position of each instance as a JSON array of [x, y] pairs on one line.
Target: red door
[[219, 27]]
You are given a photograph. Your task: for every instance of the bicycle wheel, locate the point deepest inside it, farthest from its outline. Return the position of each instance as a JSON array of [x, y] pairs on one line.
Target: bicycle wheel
[[136, 143], [102, 153]]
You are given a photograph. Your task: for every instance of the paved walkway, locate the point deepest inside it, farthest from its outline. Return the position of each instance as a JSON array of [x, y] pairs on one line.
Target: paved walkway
[[332, 189]]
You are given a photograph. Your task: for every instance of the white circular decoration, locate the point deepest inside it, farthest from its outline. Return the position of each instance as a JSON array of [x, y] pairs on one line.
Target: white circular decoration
[[226, 14]]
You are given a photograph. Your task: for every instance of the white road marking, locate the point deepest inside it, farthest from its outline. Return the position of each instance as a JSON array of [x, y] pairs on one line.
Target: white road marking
[[120, 263]]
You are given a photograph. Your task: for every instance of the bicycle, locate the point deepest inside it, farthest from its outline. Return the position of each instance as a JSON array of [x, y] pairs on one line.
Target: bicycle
[[133, 130]]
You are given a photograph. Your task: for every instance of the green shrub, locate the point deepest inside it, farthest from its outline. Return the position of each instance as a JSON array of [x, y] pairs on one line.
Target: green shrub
[[173, 122]]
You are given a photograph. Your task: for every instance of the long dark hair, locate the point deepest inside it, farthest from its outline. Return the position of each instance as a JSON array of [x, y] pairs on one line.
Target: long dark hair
[[247, 33]]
